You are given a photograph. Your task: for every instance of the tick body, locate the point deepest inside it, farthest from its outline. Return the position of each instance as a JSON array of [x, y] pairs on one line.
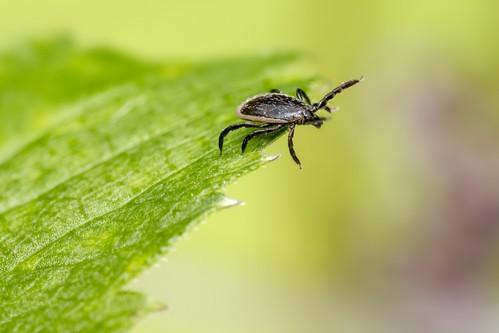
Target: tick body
[[274, 111]]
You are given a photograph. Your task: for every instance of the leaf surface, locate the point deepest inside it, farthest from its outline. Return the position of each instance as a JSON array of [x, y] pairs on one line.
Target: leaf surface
[[125, 165]]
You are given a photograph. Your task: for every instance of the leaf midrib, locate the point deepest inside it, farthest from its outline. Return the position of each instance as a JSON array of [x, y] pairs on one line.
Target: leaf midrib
[[87, 167], [121, 205]]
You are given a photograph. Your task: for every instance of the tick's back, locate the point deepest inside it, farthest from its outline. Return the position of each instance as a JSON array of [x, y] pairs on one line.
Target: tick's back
[[271, 108]]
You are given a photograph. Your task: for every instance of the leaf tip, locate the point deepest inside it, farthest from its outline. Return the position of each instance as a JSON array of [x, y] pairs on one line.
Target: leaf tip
[[270, 158], [157, 306], [227, 202]]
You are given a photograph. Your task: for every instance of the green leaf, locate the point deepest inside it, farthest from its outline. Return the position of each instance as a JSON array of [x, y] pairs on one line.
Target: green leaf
[[93, 196], [37, 78]]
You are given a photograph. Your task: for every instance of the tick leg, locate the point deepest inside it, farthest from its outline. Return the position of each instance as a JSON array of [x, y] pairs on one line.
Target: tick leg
[[302, 96], [329, 96], [290, 145], [265, 130], [230, 128], [276, 91]]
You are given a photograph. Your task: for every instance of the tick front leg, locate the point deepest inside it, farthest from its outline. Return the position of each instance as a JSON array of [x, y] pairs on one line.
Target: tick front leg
[[275, 91], [266, 129], [329, 96], [230, 128], [291, 146]]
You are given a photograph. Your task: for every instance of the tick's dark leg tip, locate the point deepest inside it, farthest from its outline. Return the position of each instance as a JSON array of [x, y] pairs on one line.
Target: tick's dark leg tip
[[297, 161]]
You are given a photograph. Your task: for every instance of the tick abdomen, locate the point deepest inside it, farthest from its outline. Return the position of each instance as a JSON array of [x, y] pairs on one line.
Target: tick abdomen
[[272, 108]]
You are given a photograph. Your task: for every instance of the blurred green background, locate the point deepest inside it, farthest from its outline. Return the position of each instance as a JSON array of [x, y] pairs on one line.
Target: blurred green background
[[392, 225]]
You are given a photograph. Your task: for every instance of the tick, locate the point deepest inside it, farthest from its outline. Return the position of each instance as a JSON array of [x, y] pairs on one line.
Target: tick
[[275, 110]]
